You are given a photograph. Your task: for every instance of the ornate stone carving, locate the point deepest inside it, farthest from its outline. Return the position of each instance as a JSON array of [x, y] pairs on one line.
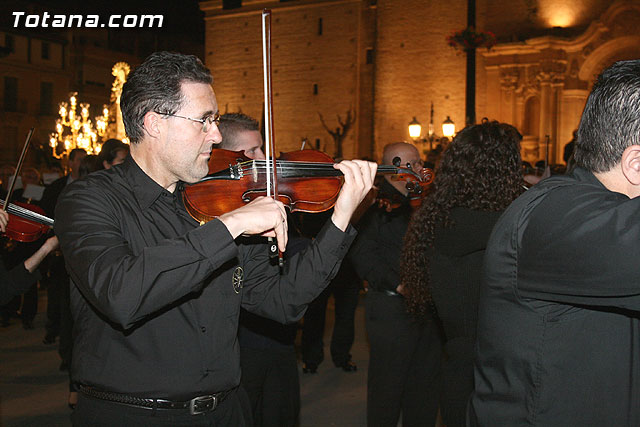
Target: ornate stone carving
[[509, 78]]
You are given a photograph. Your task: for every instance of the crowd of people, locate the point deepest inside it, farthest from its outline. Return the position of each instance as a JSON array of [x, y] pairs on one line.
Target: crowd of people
[[491, 302]]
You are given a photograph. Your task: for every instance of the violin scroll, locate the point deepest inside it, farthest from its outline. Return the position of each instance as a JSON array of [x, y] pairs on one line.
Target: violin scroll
[[417, 184]]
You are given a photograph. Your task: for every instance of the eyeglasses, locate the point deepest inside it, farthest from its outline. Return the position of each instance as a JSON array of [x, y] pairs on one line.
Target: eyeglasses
[[206, 122]]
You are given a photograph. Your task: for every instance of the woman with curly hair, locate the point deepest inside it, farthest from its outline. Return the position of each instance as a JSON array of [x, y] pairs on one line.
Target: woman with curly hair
[[479, 175]]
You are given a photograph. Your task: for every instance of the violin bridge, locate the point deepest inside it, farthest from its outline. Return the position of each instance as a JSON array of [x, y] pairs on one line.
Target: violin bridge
[[254, 171]]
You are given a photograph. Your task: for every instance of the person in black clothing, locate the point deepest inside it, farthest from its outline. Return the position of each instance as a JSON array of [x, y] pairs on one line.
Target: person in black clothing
[[558, 316], [267, 353], [21, 277], [345, 288], [15, 252], [156, 294], [404, 356], [56, 277], [480, 173], [112, 152]]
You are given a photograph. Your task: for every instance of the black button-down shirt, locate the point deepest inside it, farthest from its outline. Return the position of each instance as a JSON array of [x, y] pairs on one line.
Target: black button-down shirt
[[154, 301], [559, 317]]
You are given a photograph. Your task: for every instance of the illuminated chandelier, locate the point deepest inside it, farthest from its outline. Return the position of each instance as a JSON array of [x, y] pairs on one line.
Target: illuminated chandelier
[[75, 130]]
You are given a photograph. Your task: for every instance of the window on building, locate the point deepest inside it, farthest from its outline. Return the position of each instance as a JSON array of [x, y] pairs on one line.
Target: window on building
[[370, 55], [44, 52], [231, 4], [315, 88], [10, 94], [10, 144], [319, 26], [9, 43], [46, 98]]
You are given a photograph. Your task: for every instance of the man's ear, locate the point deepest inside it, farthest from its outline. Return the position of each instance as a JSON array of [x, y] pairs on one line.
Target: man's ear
[[152, 124], [630, 164]]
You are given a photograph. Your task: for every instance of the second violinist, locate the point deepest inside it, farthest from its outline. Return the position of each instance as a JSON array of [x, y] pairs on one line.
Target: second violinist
[[156, 293], [394, 193], [404, 357]]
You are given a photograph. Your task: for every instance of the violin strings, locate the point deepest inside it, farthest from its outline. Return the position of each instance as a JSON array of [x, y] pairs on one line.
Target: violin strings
[[287, 166], [26, 213]]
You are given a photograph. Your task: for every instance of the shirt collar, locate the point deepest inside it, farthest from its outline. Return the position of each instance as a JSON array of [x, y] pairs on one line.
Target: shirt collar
[[585, 176], [145, 189]]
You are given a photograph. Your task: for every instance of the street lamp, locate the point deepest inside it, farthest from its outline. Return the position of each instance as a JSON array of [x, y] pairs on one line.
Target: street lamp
[[415, 128], [415, 131], [448, 128]]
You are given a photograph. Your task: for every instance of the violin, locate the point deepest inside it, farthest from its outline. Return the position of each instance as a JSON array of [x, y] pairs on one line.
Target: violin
[[307, 182], [417, 191], [27, 222]]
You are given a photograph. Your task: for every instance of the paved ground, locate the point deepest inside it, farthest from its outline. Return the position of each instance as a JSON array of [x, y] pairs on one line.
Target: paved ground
[[33, 392]]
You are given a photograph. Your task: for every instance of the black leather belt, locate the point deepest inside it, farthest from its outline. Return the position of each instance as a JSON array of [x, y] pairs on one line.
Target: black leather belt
[[197, 405]]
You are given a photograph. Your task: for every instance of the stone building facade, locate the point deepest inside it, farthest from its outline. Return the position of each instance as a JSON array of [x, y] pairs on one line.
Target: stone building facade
[[541, 84], [388, 60]]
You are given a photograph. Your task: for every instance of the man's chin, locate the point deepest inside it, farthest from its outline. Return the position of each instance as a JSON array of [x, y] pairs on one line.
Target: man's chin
[[194, 178]]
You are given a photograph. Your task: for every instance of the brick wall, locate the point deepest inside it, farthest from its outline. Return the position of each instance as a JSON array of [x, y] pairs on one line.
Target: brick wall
[[302, 59]]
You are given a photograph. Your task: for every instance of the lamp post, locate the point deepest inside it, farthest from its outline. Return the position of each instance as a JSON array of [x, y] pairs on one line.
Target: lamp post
[[470, 89], [415, 131]]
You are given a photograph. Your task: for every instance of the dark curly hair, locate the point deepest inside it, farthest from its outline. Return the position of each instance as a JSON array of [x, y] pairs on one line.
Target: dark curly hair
[[481, 170]]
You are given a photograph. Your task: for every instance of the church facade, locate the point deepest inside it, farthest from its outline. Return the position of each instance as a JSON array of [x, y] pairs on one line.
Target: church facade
[[349, 75]]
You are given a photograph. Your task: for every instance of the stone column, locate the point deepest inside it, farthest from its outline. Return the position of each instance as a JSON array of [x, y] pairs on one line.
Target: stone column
[[508, 86], [546, 110]]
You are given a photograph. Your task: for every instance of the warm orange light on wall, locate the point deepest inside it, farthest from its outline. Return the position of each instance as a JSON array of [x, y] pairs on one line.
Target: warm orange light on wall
[[558, 13], [562, 18]]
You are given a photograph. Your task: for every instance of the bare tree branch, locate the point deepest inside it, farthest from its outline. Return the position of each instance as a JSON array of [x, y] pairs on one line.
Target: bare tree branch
[[341, 131]]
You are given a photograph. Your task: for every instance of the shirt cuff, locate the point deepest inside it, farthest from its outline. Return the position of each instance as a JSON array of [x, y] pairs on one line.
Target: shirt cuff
[[335, 241], [214, 241]]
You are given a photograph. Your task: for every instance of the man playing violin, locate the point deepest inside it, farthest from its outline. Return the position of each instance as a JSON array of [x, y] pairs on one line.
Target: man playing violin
[[20, 278], [404, 356], [156, 295], [268, 357]]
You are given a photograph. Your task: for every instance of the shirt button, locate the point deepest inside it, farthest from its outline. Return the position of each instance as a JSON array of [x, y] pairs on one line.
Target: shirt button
[[203, 329]]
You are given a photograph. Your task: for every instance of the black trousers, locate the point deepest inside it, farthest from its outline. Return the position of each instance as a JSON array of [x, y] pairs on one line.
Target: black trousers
[[56, 279], [404, 364], [233, 412], [270, 378], [12, 255], [66, 323], [345, 288]]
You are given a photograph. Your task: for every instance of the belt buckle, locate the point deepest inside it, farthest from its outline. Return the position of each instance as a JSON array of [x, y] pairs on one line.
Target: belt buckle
[[202, 404]]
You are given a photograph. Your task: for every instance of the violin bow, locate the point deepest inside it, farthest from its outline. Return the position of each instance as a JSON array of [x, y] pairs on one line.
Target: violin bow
[[18, 167], [271, 170]]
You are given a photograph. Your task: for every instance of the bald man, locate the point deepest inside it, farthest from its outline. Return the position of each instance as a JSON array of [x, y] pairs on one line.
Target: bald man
[[404, 355]]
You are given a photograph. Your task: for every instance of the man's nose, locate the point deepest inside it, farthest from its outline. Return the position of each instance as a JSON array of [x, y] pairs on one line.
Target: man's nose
[[215, 134]]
